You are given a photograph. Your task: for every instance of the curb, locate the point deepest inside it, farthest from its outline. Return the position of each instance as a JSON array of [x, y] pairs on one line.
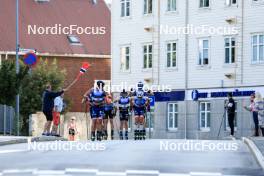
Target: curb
[[32, 139], [256, 152]]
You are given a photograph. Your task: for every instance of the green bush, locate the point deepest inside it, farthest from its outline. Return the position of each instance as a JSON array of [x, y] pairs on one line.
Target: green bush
[[30, 84]]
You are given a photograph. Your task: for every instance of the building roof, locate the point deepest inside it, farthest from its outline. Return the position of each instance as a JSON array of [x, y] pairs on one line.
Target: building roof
[[83, 13]]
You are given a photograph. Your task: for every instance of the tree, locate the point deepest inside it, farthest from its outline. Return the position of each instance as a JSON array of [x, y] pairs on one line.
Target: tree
[[10, 82], [34, 84], [30, 84]]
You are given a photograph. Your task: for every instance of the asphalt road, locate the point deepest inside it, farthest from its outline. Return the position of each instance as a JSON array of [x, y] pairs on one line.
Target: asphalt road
[[150, 157]]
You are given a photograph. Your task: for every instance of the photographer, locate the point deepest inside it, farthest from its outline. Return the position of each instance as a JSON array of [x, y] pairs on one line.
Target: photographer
[[230, 107]]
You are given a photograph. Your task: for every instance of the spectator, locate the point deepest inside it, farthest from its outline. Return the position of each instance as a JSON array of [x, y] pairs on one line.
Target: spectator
[[48, 105], [252, 109], [58, 107], [259, 106], [72, 128]]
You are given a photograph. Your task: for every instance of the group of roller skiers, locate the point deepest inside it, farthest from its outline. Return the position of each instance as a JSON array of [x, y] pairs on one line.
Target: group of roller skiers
[[103, 108]]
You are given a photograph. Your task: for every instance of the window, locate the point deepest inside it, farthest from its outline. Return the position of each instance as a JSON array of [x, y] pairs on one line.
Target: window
[[147, 6], [258, 0], [151, 125], [230, 50], [172, 116], [231, 2], [125, 58], [258, 48], [205, 115], [171, 5], [227, 127], [171, 54], [204, 3], [125, 8], [73, 39], [203, 52], [147, 56]]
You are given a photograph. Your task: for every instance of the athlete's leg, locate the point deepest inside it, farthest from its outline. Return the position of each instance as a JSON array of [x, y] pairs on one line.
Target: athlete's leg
[[137, 127], [104, 127], [142, 126], [126, 128], [99, 122], [121, 129], [93, 129], [93, 119], [112, 128], [111, 116]]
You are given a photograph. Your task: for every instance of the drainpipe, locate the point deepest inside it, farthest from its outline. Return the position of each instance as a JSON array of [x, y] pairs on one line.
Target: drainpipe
[[158, 43], [242, 43], [186, 62]]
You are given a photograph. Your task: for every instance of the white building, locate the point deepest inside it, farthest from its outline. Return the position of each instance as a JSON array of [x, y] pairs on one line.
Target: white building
[[227, 57]]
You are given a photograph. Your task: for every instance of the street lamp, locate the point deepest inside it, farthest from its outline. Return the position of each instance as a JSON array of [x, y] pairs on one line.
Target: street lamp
[[17, 62]]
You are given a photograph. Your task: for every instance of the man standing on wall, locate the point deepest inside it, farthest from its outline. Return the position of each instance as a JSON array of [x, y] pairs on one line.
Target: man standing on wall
[[48, 105], [58, 107], [231, 108]]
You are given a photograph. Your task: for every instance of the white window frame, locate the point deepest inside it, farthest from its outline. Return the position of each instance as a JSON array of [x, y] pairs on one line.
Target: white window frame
[[74, 40], [206, 111], [148, 53], [175, 121], [124, 58], [258, 44], [171, 52], [255, 2], [152, 119], [230, 47], [227, 128], [230, 2], [146, 7], [170, 7], [203, 4], [201, 50], [125, 6]]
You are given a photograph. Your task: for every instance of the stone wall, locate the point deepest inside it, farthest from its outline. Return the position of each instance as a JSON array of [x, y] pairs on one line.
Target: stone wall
[[83, 122], [38, 120]]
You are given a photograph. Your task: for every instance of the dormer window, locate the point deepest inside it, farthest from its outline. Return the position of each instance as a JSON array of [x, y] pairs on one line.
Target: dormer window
[[73, 39]]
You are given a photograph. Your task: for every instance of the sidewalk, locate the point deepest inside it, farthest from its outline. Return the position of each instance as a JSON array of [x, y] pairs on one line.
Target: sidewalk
[[7, 140], [259, 142], [256, 145]]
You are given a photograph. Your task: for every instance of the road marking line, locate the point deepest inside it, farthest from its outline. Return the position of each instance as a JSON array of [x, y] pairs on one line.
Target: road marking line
[[112, 173], [174, 174], [74, 170], [205, 173], [11, 151], [146, 172], [49, 172], [14, 171]]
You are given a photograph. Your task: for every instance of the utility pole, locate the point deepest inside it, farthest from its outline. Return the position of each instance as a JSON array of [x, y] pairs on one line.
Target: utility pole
[[17, 63]]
